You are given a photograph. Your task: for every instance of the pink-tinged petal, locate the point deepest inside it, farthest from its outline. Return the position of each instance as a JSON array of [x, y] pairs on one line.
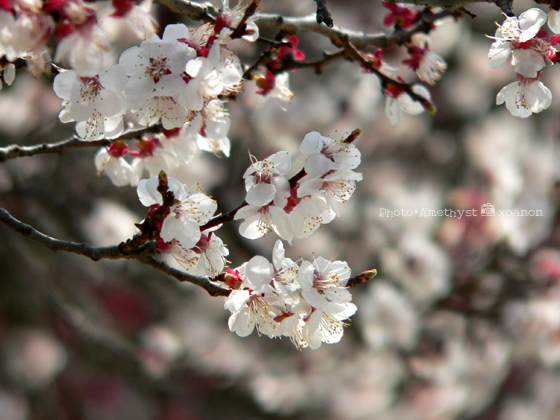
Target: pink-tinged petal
[[173, 32], [193, 66], [539, 97], [278, 255], [282, 225], [236, 300], [318, 164], [114, 127], [114, 78], [309, 186], [9, 74], [505, 92], [282, 186]]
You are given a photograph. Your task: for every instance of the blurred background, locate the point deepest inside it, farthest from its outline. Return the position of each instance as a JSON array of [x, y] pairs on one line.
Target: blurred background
[[462, 321]]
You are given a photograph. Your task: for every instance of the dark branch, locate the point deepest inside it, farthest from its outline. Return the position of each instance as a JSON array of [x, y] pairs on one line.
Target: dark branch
[[135, 248], [214, 289], [74, 142], [323, 15]]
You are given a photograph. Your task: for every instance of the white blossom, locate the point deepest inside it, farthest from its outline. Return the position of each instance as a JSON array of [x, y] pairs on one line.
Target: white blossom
[[327, 154], [192, 210], [95, 103], [525, 97], [401, 102]]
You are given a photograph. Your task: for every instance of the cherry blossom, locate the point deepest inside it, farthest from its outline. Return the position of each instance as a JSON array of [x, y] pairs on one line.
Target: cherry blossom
[[83, 47], [326, 325], [327, 154], [268, 190], [428, 65], [274, 86], [206, 258], [111, 161], [137, 16], [265, 181], [229, 20], [325, 281], [525, 97], [190, 211], [155, 71], [95, 103], [398, 101], [518, 33], [336, 187], [279, 299]]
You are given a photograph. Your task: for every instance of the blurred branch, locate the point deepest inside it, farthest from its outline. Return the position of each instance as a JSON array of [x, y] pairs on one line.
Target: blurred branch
[[136, 248], [195, 10], [207, 13], [457, 5], [74, 142]]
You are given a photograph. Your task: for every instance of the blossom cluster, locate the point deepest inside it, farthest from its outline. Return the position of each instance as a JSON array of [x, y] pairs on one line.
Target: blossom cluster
[[28, 26], [200, 252], [297, 208], [306, 301], [290, 208], [169, 80], [428, 65], [522, 39]]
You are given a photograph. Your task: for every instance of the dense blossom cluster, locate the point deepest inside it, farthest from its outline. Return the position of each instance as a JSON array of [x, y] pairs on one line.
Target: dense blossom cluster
[[297, 209], [522, 39], [307, 301], [170, 80]]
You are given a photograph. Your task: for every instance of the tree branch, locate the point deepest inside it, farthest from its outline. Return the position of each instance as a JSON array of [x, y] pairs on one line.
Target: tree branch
[[74, 142], [132, 249]]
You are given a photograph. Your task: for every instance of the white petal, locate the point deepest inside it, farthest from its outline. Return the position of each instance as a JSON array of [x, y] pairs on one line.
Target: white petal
[[393, 111], [554, 20], [530, 22], [184, 230], [527, 62], [311, 143], [63, 83], [499, 53], [241, 322], [260, 194], [259, 272], [148, 193], [9, 74]]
